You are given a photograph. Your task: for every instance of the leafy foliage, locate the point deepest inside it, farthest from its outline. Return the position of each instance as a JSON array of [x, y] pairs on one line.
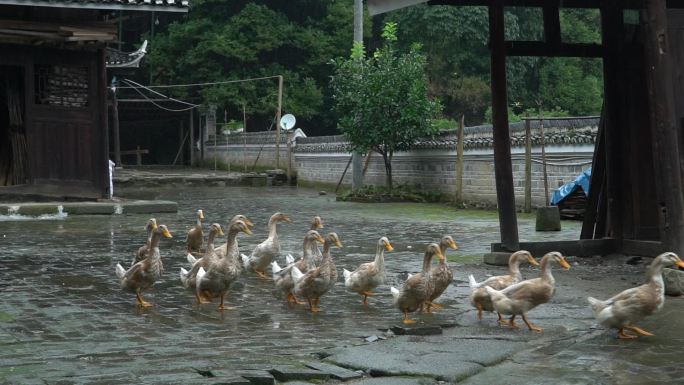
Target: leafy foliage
[[381, 101]]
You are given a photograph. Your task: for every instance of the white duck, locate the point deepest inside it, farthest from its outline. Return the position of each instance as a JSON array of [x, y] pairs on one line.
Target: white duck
[[266, 252], [368, 275], [282, 277], [524, 296], [418, 287], [142, 275], [632, 305], [479, 297], [317, 281]]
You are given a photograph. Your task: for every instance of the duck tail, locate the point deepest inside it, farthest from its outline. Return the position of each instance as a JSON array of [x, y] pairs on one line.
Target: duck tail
[[198, 283], [596, 305], [289, 259], [245, 260], [276, 267], [120, 272], [191, 259], [184, 277], [472, 282], [296, 274], [395, 292], [347, 276]]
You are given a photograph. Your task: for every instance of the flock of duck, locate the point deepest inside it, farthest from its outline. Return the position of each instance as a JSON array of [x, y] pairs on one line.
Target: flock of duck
[[213, 270]]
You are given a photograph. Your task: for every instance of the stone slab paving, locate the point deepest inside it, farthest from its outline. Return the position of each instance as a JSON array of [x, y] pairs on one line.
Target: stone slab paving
[[398, 380], [335, 372]]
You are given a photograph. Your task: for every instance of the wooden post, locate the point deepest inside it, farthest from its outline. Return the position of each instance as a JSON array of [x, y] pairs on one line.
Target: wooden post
[[244, 138], [528, 167], [279, 111], [612, 28], [664, 124], [503, 170], [459, 160], [357, 159], [288, 135], [192, 137], [181, 140], [543, 151], [115, 129]]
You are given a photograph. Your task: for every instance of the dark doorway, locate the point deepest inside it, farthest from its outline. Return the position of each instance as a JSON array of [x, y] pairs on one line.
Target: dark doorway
[[13, 150]]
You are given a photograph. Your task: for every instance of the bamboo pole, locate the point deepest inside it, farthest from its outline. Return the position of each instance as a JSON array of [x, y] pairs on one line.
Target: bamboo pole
[[459, 160], [277, 123], [543, 151], [528, 167], [192, 137], [244, 137]]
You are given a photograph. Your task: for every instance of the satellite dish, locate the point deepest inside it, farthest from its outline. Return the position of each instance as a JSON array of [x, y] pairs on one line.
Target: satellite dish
[[287, 122]]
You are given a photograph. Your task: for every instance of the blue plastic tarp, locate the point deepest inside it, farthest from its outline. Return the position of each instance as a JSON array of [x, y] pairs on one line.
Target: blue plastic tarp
[[565, 190]]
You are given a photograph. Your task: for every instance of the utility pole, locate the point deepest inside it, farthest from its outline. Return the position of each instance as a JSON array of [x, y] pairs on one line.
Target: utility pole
[[357, 173], [277, 122]]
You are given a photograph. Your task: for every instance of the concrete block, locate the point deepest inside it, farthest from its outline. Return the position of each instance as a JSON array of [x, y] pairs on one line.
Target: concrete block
[[674, 281], [497, 258], [548, 219]]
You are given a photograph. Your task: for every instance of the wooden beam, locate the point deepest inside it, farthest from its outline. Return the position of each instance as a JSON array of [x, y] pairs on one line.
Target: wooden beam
[[540, 48], [626, 4], [612, 35], [552, 30], [659, 76], [503, 170], [643, 248], [598, 173], [582, 247]]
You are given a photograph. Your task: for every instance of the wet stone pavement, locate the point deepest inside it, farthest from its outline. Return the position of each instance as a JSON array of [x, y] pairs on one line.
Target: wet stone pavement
[[64, 319]]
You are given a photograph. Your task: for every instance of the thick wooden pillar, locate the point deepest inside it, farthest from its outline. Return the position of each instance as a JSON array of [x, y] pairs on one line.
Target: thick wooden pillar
[[612, 36], [503, 170], [659, 74]]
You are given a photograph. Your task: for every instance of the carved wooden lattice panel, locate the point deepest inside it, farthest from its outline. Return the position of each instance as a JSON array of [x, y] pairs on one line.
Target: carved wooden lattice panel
[[60, 85]]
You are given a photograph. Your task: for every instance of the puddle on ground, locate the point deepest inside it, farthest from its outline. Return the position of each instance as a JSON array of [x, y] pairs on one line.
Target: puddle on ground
[[63, 315]]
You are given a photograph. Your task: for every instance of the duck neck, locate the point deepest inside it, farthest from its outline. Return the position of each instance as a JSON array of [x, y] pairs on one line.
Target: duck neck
[[309, 248], [380, 256], [273, 229], [199, 223], [654, 274], [443, 249], [546, 270], [514, 269], [426, 262], [210, 241], [154, 240], [327, 257]]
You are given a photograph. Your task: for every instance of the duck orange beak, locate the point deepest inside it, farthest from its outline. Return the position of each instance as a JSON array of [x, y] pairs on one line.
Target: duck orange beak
[[338, 243], [287, 219], [246, 230], [166, 233], [564, 263], [319, 239], [679, 262], [388, 246], [453, 245], [220, 231], [248, 223], [533, 262]]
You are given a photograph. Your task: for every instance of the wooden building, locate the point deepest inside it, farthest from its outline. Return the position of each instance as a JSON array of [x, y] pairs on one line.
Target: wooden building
[[53, 99], [636, 201]]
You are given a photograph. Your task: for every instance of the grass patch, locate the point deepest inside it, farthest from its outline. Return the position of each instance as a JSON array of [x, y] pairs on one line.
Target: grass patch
[[400, 193]]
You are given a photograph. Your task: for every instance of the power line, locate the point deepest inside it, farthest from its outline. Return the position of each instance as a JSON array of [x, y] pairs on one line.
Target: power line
[[205, 84], [137, 89]]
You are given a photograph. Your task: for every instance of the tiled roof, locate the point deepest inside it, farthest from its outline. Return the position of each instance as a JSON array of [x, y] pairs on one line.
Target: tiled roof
[[557, 131], [133, 5]]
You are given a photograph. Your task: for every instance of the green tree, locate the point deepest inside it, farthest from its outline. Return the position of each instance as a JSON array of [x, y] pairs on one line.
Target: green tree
[[231, 40], [382, 101]]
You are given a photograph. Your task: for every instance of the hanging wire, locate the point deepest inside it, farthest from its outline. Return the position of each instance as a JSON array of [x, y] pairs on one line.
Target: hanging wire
[[204, 84], [137, 89]]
